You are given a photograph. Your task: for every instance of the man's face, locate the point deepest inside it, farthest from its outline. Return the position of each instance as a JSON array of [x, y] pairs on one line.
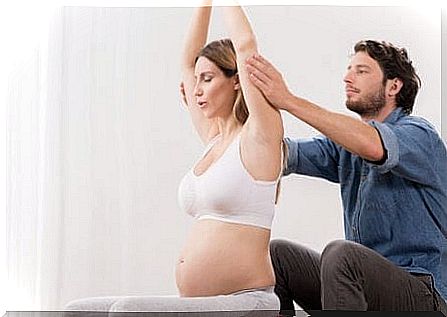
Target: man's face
[[365, 90]]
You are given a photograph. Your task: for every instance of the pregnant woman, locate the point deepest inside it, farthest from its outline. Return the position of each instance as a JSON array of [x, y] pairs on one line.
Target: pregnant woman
[[232, 189]]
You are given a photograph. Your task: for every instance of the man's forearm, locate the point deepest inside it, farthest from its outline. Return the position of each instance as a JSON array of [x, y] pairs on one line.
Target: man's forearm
[[353, 134]]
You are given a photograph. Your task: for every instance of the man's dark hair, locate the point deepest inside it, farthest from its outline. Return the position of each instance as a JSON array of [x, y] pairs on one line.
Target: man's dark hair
[[394, 63]]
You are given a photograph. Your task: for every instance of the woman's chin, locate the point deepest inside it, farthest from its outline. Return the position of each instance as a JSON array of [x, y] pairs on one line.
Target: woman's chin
[[208, 114]]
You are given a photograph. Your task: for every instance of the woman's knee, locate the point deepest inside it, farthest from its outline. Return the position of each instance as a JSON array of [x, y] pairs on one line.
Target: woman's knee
[[91, 304]]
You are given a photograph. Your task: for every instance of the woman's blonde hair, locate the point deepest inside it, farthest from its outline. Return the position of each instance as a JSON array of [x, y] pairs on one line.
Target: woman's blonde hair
[[285, 154], [223, 54]]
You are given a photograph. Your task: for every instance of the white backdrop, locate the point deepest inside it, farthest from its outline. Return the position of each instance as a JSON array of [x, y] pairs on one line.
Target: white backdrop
[[97, 139]]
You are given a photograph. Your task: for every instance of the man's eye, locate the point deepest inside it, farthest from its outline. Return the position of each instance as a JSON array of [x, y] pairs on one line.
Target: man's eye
[[207, 79]]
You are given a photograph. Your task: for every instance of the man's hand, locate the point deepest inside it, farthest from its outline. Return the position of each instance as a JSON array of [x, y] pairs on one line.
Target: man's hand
[[269, 80]]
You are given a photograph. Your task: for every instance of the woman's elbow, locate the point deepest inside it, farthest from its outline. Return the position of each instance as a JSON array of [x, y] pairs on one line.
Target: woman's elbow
[[246, 44]]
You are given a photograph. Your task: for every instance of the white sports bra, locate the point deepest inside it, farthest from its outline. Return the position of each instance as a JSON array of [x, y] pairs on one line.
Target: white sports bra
[[227, 192]]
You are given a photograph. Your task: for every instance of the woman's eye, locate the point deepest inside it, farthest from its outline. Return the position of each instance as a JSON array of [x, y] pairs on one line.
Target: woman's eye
[[207, 79]]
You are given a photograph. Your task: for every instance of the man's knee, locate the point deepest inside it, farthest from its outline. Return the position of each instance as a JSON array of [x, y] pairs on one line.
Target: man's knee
[[278, 251], [337, 255], [284, 249], [278, 246]]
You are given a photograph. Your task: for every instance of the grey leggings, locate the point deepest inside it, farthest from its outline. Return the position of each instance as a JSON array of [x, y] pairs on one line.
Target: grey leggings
[[347, 276], [244, 301]]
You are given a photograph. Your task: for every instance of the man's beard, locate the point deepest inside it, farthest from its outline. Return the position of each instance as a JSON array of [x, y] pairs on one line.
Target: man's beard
[[370, 105]]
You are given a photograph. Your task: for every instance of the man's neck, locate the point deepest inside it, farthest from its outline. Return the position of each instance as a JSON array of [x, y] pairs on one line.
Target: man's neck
[[382, 115]]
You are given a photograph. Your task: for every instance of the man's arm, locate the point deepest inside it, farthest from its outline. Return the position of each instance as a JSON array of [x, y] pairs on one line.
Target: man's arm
[[353, 134], [317, 157]]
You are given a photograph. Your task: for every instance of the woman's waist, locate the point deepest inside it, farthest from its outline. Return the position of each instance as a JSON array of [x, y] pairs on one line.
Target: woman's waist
[[224, 254], [208, 234]]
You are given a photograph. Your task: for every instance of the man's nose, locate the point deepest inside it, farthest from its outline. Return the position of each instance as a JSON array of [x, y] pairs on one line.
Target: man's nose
[[348, 77]]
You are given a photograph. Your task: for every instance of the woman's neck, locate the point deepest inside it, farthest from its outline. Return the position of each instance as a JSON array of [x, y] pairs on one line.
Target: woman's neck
[[228, 127]]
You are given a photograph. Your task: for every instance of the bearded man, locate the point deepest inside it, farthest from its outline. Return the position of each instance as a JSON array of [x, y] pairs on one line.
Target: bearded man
[[392, 171]]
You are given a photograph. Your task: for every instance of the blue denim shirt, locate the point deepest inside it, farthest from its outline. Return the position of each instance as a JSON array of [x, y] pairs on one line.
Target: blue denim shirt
[[398, 208]]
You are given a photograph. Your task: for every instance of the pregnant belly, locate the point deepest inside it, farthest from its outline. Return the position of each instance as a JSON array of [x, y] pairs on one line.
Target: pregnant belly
[[222, 258]]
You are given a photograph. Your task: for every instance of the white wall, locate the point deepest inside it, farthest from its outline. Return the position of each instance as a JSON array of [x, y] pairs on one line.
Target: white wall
[[444, 73], [126, 141]]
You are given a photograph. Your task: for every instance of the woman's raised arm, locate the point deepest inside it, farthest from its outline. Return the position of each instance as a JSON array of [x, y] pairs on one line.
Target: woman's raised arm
[[261, 148], [195, 40], [263, 120]]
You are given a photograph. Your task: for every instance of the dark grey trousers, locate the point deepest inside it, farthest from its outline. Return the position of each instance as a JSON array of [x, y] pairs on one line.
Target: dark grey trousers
[[347, 276]]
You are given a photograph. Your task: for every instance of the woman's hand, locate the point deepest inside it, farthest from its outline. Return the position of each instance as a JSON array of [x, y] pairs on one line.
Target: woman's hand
[[183, 94]]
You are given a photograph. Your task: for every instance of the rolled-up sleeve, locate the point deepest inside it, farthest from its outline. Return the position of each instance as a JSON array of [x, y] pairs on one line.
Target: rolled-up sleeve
[[410, 150], [390, 144]]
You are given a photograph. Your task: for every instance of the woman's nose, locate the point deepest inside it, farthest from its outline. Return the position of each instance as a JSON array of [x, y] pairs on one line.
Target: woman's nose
[[198, 91]]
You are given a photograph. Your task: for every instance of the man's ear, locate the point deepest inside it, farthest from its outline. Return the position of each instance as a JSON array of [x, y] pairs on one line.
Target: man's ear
[[395, 86], [237, 84]]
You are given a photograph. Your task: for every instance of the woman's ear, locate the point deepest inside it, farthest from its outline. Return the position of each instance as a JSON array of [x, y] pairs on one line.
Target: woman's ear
[[237, 84]]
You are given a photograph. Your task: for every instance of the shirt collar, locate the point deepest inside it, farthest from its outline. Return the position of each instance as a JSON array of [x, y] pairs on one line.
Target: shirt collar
[[395, 115]]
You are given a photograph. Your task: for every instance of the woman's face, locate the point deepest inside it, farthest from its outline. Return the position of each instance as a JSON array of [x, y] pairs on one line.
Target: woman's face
[[215, 93]]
